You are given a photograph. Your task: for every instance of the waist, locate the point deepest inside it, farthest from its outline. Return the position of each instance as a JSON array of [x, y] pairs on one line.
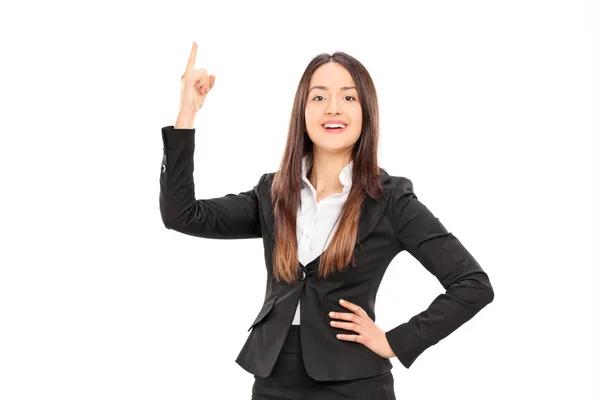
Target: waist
[[293, 343]]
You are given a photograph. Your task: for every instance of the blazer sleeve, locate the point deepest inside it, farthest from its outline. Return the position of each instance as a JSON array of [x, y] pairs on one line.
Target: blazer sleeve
[[468, 287], [233, 216]]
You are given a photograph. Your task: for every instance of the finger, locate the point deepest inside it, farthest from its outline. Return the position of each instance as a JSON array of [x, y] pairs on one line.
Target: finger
[[212, 81], [206, 82], [197, 77], [191, 64], [350, 306], [201, 81], [344, 316], [358, 310], [349, 338], [349, 326]]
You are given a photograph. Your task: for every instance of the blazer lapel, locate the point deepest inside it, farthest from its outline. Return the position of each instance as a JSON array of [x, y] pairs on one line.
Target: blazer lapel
[[370, 212]]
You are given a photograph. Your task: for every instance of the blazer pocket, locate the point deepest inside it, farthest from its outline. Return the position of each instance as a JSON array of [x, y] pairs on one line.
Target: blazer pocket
[[264, 311]]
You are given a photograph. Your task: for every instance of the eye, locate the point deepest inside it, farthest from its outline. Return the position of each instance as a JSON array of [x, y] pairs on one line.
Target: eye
[[352, 97]]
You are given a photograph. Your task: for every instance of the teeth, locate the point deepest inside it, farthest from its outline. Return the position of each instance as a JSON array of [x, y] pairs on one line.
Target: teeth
[[334, 126]]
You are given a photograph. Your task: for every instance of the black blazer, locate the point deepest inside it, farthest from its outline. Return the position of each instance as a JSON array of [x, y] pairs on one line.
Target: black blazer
[[395, 222]]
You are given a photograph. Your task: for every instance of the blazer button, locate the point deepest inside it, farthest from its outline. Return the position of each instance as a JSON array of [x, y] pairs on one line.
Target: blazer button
[[164, 168], [303, 275]]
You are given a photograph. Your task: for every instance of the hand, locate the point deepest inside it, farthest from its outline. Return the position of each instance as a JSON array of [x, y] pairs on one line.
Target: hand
[[195, 85], [369, 334]]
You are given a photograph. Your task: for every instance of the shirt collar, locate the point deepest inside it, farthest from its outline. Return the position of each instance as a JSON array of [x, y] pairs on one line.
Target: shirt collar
[[345, 175]]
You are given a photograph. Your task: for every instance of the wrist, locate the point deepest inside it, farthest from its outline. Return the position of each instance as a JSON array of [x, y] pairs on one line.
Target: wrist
[[185, 120]]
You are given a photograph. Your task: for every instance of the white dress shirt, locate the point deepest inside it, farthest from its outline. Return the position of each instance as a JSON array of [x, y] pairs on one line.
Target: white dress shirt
[[316, 223]]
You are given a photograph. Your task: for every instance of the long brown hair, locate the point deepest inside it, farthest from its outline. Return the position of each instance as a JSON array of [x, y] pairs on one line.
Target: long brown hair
[[287, 181]]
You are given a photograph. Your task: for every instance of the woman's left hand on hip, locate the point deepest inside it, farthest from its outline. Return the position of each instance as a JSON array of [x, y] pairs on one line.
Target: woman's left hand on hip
[[369, 334]]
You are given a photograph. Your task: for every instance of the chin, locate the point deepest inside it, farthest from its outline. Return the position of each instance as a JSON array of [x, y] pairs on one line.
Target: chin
[[334, 142], [333, 147]]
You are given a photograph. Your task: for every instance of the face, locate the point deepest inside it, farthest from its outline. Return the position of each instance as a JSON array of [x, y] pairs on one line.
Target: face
[[334, 99]]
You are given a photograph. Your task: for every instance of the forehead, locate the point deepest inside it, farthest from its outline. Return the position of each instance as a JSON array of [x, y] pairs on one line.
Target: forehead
[[333, 75]]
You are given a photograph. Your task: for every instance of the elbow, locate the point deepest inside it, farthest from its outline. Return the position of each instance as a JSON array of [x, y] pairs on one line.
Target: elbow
[[475, 290], [166, 221], [485, 292], [486, 296], [167, 215], [163, 211], [169, 223]]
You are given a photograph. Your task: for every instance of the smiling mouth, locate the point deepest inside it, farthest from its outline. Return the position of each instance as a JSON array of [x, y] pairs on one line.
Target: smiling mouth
[[334, 130]]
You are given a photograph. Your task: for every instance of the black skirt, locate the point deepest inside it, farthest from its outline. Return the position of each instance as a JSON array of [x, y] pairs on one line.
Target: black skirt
[[289, 380]]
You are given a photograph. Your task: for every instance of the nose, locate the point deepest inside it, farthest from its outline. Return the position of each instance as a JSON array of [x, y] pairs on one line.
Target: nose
[[332, 107]]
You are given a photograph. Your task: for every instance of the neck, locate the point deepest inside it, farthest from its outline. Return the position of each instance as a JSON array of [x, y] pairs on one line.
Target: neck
[[325, 175]]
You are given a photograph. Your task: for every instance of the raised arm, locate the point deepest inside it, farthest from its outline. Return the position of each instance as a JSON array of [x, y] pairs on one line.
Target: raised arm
[[468, 287], [234, 216]]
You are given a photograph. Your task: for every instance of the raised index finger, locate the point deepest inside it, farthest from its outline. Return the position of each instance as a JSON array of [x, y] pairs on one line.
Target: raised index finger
[[192, 60]]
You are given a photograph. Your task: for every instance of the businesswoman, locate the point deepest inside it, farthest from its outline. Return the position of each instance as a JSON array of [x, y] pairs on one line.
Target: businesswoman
[[331, 221]]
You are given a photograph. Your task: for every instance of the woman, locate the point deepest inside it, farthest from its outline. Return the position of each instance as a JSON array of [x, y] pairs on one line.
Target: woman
[[331, 222]]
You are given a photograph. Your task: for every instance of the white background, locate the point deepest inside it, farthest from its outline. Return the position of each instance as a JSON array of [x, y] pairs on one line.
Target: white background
[[487, 106]]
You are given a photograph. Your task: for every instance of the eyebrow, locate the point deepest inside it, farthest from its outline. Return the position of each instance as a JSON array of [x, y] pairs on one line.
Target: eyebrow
[[326, 88]]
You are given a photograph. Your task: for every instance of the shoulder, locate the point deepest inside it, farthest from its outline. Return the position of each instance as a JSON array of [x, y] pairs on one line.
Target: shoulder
[[265, 181], [401, 185], [267, 177]]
